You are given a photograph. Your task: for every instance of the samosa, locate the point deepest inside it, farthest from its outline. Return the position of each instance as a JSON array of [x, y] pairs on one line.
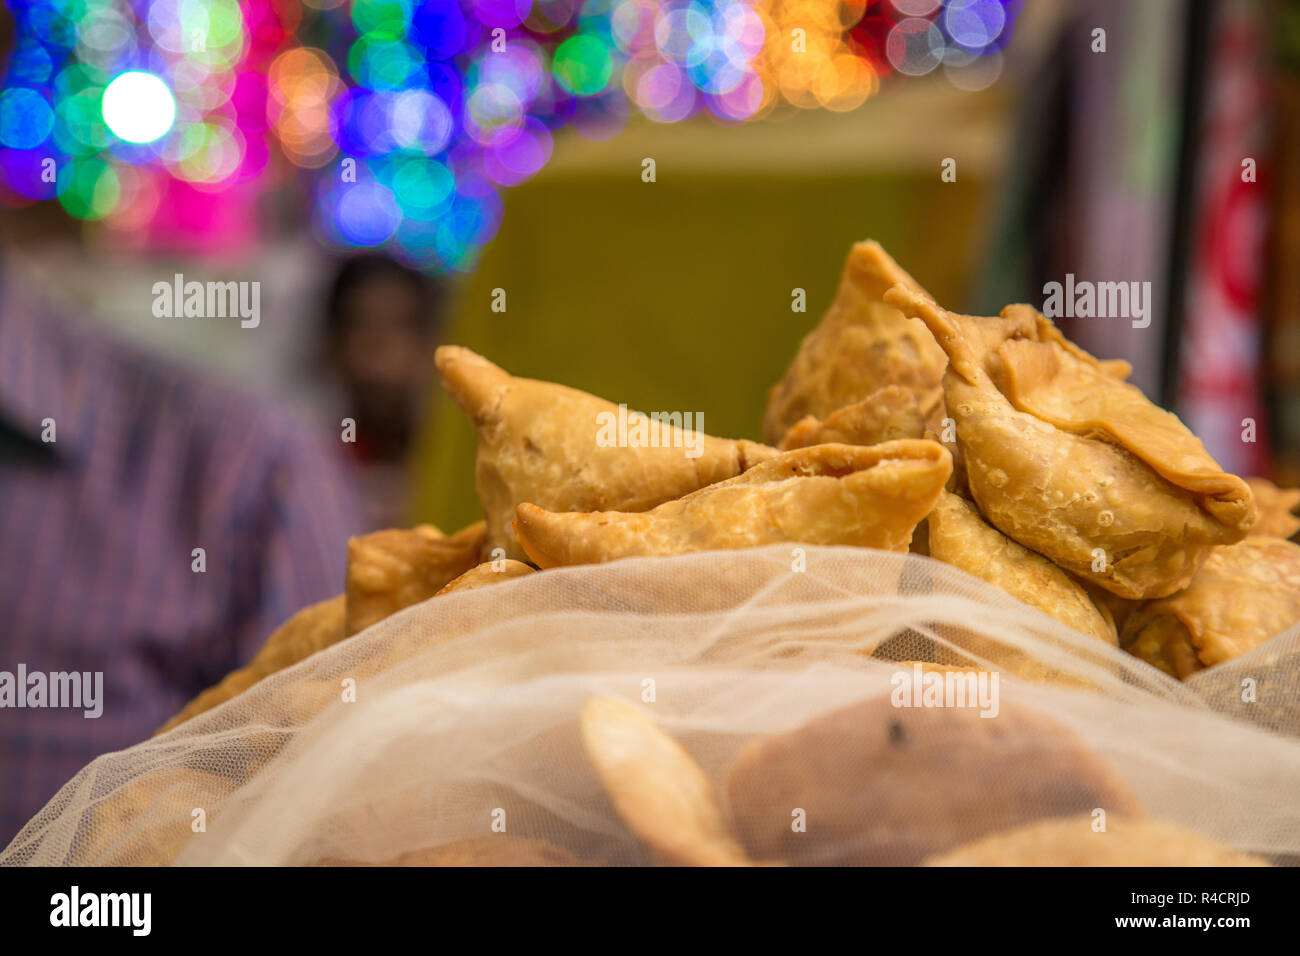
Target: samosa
[[393, 569], [861, 344], [1069, 460], [546, 444], [870, 496], [1244, 595], [960, 536]]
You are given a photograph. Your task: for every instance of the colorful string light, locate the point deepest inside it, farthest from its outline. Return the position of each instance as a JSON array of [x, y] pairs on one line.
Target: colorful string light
[[409, 116]]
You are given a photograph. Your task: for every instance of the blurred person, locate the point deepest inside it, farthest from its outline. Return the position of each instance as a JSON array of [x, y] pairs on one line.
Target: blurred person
[[155, 528], [381, 329]]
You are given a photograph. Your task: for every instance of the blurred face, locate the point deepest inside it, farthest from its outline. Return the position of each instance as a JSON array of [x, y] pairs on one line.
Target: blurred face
[[385, 353]]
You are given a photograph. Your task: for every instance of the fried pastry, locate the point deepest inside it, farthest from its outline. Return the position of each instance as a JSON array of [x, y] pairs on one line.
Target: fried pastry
[[1277, 518], [889, 414], [861, 344], [870, 496], [884, 785], [1241, 597], [659, 791], [489, 572], [497, 850], [148, 820], [312, 629], [559, 448], [1074, 463], [393, 569], [960, 536], [1115, 607], [1071, 841]]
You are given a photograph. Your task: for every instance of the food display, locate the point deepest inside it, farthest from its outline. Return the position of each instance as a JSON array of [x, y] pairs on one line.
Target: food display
[[1241, 597], [944, 501]]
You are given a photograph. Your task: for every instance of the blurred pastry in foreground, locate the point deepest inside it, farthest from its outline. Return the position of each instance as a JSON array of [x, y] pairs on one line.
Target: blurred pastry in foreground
[[882, 785], [960, 536], [659, 791], [860, 345], [1071, 841], [312, 629], [564, 450], [1072, 462], [1244, 595], [889, 414], [146, 821], [391, 570], [489, 572], [496, 850], [1277, 506], [869, 496]]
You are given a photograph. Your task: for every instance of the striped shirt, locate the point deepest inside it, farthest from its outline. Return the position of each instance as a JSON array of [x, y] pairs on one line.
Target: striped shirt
[[99, 529]]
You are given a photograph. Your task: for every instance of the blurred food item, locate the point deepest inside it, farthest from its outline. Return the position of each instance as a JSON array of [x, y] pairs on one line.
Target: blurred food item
[[1277, 506], [1242, 596], [489, 572], [933, 667], [147, 821], [960, 536], [393, 569], [565, 450], [888, 414], [1072, 462], [861, 345], [497, 850], [885, 785], [870, 496], [1073, 841], [310, 630], [658, 789], [1116, 608]]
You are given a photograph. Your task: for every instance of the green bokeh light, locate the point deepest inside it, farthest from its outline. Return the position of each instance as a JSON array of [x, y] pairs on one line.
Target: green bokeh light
[[583, 65], [382, 19], [422, 186], [88, 188], [79, 129], [382, 64]]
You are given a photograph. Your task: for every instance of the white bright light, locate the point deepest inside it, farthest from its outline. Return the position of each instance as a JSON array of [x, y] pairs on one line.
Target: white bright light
[[138, 107]]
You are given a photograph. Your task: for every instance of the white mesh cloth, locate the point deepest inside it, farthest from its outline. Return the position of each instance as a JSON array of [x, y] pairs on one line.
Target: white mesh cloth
[[466, 713]]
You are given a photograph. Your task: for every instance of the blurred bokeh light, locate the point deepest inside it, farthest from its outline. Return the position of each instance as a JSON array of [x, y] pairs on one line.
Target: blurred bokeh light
[[410, 116]]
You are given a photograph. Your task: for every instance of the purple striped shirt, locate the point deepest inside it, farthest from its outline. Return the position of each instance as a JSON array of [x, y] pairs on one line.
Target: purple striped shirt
[[98, 530]]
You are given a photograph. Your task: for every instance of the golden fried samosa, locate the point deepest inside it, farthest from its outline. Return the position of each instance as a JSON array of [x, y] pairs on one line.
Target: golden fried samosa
[[1075, 841], [392, 569], [1072, 462], [861, 344], [489, 572], [887, 785], [561, 449], [960, 536], [871, 496], [889, 414], [1277, 518], [1241, 597], [658, 789], [312, 629], [1116, 608]]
